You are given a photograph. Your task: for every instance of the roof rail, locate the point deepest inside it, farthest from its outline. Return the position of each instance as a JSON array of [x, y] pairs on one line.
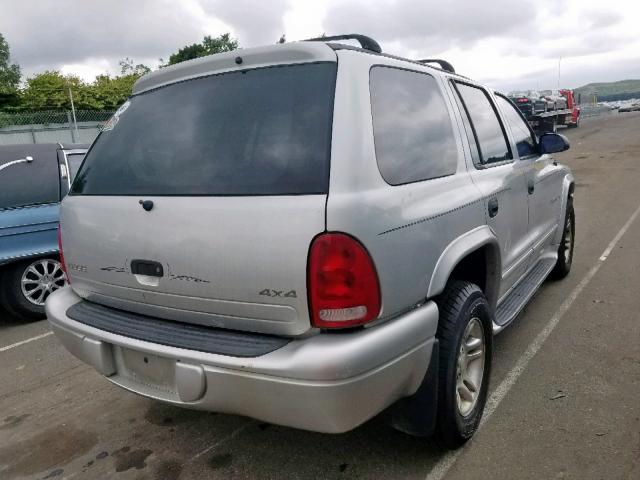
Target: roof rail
[[367, 43], [443, 64]]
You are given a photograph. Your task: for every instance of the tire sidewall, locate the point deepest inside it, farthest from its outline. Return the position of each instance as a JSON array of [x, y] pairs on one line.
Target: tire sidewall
[[464, 427], [571, 216], [563, 265]]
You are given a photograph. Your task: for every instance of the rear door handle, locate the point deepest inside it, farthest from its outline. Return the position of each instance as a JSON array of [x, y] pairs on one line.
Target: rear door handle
[[493, 207], [531, 187]]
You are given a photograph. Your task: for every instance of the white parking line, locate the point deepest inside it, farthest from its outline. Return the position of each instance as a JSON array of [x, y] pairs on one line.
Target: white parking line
[[28, 340], [441, 468]]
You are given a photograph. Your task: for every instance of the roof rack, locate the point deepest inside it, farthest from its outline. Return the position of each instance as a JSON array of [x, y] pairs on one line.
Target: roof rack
[[367, 43], [443, 64]]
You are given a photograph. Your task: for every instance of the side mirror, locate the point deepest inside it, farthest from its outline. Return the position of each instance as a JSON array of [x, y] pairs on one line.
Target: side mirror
[[553, 143]]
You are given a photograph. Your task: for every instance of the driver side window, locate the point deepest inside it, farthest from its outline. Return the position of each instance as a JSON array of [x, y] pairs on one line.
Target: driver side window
[[525, 142]]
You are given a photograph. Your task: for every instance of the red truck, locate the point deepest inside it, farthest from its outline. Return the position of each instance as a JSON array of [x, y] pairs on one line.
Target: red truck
[[549, 116], [574, 119]]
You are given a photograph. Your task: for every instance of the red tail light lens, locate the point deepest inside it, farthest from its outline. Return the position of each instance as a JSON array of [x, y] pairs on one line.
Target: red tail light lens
[[523, 100], [62, 264], [342, 282]]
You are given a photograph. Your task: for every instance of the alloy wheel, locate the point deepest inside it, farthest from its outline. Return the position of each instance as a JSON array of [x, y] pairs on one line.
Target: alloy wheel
[[40, 279], [470, 367]]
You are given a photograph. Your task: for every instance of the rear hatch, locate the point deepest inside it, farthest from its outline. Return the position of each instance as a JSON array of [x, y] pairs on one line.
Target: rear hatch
[[199, 200]]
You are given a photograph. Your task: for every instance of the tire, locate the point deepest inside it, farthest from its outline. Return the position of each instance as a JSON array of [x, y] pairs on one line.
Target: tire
[[565, 250], [464, 311], [41, 275]]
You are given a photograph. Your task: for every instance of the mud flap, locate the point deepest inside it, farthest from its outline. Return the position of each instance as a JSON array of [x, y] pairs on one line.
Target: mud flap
[[416, 415]]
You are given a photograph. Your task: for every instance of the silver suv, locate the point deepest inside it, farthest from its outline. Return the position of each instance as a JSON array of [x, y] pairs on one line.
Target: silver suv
[[311, 234]]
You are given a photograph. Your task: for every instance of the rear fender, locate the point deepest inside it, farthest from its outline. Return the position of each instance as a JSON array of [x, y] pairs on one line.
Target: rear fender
[[459, 249]]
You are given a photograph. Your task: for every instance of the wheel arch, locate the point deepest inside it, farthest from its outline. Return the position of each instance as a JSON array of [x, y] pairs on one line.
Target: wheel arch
[[473, 256], [8, 261]]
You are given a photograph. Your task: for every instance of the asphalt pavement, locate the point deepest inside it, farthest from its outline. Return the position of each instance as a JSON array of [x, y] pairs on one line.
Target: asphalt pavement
[[564, 399]]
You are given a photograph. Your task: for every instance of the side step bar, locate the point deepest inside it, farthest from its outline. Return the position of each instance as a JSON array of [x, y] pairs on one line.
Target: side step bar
[[515, 301]]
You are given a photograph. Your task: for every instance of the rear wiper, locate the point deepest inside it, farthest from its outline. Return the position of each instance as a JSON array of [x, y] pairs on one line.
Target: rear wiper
[[27, 159]]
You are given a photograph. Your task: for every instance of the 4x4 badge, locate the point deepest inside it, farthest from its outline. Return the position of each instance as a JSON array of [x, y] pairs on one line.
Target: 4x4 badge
[[278, 293]]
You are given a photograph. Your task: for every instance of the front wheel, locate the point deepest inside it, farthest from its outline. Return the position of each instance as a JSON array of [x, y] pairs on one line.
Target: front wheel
[[465, 335], [565, 250], [25, 286]]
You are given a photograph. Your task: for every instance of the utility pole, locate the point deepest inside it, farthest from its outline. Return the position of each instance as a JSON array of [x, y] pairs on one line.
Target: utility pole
[[559, 60], [73, 112]]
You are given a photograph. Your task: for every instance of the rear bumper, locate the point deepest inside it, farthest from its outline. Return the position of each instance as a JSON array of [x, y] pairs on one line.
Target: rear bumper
[[331, 382]]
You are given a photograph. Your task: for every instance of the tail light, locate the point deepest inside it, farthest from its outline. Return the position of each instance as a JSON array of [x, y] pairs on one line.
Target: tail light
[[62, 264], [523, 100], [342, 282]]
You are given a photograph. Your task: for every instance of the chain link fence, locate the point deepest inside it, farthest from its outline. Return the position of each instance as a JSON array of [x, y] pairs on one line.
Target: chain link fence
[[51, 126]]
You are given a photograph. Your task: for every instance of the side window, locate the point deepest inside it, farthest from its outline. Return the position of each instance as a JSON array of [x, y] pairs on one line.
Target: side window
[[74, 160], [492, 143], [473, 145], [412, 128], [525, 143], [28, 183]]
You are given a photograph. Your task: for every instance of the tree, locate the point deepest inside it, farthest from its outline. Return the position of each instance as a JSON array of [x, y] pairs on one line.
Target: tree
[[9, 77], [127, 67], [50, 91], [208, 46]]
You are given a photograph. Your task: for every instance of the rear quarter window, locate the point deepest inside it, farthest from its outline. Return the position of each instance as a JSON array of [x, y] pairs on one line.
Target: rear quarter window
[[413, 133]]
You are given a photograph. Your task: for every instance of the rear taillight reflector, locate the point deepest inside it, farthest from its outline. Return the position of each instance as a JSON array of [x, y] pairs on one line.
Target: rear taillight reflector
[[342, 282]]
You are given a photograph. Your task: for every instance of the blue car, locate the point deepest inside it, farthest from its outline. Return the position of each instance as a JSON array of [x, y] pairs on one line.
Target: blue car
[[33, 180]]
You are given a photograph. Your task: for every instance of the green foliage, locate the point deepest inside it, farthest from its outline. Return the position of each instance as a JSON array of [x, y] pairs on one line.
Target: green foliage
[[208, 46], [50, 90], [127, 67], [9, 77]]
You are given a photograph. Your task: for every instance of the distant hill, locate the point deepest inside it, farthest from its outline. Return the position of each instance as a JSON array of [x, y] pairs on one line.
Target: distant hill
[[608, 91]]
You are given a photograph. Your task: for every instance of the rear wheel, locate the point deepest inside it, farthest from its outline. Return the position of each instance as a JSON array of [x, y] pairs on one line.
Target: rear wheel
[[465, 335], [27, 285]]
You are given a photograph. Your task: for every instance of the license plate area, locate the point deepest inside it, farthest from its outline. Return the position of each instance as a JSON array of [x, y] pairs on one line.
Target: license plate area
[[147, 370]]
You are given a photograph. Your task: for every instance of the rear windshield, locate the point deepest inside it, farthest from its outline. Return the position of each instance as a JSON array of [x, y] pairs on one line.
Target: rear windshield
[[255, 132]]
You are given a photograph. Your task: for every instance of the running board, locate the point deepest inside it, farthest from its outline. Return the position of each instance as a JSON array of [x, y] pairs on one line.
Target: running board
[[515, 301]]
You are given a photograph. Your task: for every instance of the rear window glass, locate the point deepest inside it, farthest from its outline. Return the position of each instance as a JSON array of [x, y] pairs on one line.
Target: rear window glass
[[412, 129], [255, 132], [25, 183]]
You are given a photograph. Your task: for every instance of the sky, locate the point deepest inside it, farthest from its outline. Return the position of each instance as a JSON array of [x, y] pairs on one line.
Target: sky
[[506, 44]]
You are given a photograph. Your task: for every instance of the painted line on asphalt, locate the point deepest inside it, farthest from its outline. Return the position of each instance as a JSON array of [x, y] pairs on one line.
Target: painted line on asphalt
[[28, 340], [441, 468]]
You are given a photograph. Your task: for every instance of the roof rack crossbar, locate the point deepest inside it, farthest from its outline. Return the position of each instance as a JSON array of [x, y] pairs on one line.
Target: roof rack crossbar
[[443, 64], [367, 43]]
